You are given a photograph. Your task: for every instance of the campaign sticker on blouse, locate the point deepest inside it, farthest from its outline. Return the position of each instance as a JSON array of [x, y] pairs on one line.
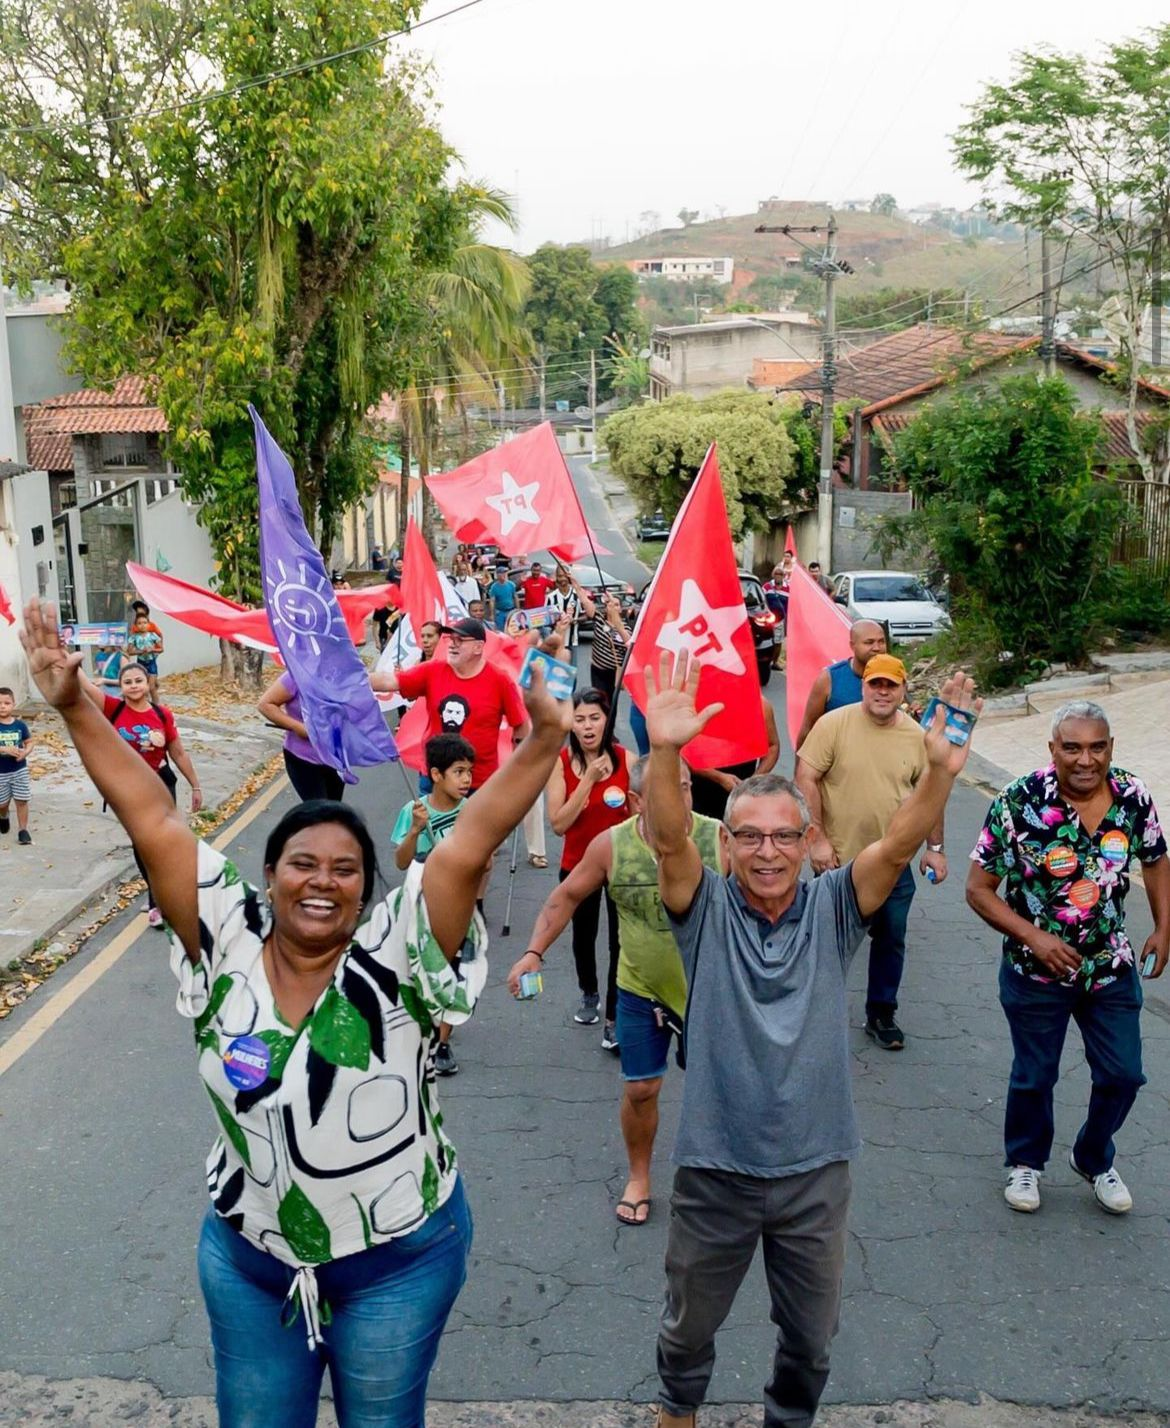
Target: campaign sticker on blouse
[[1084, 894], [246, 1062], [613, 797], [1060, 861], [1114, 847]]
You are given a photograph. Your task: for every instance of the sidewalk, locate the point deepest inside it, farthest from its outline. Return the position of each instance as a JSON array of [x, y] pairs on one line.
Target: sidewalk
[[78, 852], [1135, 702]]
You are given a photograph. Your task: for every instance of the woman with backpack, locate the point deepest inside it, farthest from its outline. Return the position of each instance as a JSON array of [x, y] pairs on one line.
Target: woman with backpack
[[150, 730]]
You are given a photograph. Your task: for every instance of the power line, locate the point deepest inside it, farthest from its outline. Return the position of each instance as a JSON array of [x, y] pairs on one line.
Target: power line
[[291, 71]]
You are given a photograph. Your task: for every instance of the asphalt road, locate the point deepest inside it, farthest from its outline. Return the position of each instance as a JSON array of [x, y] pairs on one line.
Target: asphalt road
[[948, 1294]]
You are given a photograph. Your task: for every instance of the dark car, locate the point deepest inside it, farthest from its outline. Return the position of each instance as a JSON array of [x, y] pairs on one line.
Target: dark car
[[654, 527], [763, 622]]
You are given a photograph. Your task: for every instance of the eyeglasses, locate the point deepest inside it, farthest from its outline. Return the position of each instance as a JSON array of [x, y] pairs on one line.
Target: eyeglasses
[[752, 839]]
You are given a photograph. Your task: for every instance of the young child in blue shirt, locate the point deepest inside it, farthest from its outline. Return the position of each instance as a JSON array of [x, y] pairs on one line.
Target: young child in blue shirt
[[427, 821], [15, 742]]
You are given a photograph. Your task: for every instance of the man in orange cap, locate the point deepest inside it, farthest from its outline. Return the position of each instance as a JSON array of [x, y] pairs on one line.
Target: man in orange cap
[[855, 768]]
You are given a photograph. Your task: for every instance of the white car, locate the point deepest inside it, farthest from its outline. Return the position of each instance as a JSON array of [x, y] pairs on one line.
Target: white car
[[895, 598]]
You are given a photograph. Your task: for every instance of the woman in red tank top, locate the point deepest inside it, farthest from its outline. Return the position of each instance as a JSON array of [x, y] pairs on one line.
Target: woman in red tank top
[[587, 794]]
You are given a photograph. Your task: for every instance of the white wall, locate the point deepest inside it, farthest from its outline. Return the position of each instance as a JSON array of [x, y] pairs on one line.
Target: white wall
[[169, 526]]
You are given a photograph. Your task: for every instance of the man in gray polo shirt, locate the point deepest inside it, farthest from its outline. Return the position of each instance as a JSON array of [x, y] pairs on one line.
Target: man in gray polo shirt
[[767, 1127]]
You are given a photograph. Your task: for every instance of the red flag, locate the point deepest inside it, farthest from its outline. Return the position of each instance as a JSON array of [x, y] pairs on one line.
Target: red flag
[[226, 620], [518, 496], [790, 543], [6, 608], [818, 634], [422, 594], [696, 604]]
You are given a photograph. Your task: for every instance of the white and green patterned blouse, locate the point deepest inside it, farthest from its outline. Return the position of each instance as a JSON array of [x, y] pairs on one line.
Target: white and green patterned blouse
[[332, 1138]]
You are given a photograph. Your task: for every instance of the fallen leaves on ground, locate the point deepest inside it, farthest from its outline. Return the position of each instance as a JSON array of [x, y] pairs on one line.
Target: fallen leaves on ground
[[24, 975]]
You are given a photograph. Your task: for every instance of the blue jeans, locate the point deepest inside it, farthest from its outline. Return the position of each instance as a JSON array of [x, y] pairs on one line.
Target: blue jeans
[[643, 1039], [1110, 1021], [887, 948], [388, 1305]]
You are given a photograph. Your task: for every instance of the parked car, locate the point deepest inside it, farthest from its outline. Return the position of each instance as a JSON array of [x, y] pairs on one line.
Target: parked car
[[897, 599], [655, 527], [764, 622]]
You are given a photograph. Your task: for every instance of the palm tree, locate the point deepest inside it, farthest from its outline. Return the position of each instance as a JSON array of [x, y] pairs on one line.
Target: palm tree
[[476, 332]]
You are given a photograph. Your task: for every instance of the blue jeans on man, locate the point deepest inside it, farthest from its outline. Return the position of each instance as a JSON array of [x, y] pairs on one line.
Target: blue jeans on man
[[887, 948], [1110, 1023]]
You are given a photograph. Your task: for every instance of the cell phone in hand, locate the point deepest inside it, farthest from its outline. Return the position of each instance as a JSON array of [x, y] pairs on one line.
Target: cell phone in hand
[[1149, 962]]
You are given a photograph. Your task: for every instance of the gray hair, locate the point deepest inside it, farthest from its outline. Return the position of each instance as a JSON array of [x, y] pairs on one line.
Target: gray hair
[[1078, 709], [640, 768], [767, 785]]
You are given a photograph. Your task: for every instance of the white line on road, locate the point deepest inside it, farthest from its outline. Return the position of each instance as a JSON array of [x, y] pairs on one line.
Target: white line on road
[[55, 1008]]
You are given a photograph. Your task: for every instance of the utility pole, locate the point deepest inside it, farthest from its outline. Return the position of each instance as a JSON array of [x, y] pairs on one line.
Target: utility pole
[[1047, 308], [1156, 302], [542, 391], [592, 405], [828, 268]]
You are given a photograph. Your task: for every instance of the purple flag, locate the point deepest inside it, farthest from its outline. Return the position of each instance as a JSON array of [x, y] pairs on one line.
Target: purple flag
[[345, 724]]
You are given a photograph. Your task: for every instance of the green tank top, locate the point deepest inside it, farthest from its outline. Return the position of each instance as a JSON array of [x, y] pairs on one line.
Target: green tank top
[[649, 964]]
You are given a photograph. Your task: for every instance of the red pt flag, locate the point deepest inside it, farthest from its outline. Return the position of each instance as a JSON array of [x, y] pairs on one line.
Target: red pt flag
[[818, 634], [422, 591], [696, 604], [518, 496]]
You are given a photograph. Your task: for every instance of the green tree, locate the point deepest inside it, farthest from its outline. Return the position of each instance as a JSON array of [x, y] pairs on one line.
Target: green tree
[[474, 331], [573, 306], [893, 309], [1080, 146], [1007, 503], [885, 204], [658, 449], [244, 238]]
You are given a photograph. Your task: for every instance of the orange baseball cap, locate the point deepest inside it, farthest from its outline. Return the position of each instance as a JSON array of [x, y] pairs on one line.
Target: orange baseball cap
[[885, 666]]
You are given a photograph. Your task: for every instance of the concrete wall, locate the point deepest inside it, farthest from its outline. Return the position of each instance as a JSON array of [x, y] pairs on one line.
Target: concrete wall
[[169, 528], [704, 362], [855, 516]]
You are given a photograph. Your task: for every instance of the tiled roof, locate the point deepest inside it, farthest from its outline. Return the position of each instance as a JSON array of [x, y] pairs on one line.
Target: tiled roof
[[50, 425], [912, 362], [1114, 450], [1101, 364]]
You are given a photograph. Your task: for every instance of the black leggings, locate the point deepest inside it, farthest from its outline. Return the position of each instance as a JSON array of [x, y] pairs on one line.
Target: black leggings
[[586, 924], [167, 774], [313, 780]]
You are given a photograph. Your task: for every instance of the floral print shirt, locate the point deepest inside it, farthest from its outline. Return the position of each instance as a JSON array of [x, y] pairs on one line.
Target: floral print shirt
[[1063, 879], [331, 1138]]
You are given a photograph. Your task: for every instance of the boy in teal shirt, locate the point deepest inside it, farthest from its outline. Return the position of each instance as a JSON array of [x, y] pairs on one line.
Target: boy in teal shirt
[[427, 821]]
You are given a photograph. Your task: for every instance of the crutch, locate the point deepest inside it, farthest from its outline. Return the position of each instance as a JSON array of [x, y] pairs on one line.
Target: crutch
[[507, 927]]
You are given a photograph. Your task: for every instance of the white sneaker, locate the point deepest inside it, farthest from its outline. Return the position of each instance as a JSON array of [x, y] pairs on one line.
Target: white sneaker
[[1022, 1191], [1108, 1188]]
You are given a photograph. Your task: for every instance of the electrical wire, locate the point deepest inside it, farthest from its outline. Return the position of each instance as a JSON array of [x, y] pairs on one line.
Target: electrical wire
[[213, 96]]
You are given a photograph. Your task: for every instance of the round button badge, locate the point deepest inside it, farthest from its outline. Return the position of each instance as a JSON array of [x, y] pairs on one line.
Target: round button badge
[[246, 1062], [1061, 861], [1114, 847], [1084, 894], [613, 797]]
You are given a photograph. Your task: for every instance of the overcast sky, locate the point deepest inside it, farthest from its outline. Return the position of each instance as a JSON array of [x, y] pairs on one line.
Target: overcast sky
[[592, 112]]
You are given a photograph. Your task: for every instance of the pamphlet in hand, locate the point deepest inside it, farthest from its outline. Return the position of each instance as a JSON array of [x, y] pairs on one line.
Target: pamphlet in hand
[[561, 678]]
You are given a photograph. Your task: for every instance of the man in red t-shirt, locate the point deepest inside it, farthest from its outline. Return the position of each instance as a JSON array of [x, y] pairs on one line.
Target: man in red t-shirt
[[535, 587], [465, 695]]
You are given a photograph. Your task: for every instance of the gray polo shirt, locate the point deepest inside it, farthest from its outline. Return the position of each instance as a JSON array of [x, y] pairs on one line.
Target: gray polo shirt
[[767, 1090]]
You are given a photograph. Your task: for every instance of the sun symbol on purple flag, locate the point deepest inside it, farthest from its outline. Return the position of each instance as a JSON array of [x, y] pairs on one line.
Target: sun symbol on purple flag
[[303, 604]]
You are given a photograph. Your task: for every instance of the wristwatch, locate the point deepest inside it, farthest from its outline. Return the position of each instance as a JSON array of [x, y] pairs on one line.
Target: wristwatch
[[934, 848]]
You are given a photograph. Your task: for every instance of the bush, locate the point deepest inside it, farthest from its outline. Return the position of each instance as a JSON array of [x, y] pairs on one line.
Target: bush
[[1008, 504]]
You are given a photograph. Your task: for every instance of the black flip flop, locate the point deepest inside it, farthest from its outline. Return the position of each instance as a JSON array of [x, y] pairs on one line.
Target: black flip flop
[[635, 1206]]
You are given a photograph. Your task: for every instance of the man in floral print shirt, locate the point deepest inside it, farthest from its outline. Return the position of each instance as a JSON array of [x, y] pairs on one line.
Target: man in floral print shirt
[[1064, 838]]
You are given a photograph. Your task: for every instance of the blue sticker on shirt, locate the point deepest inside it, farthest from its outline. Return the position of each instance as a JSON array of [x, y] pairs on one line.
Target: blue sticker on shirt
[[246, 1062]]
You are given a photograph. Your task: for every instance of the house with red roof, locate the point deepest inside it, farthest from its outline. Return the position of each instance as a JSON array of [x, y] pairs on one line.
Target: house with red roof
[[890, 381]]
